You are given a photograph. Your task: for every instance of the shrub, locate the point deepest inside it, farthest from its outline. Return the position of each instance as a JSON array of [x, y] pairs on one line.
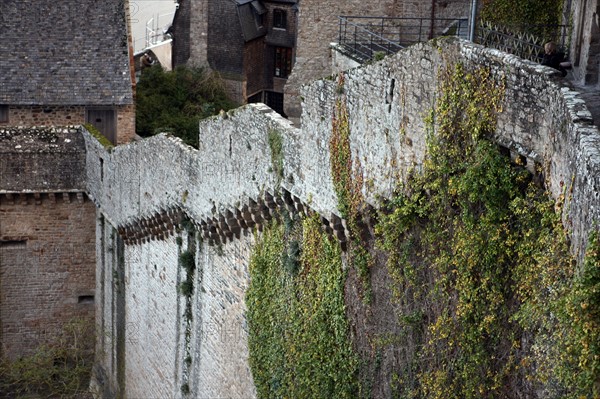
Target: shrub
[[60, 367], [174, 102]]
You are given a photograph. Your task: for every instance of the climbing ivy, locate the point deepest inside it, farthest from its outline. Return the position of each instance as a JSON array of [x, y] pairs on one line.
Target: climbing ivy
[[347, 179], [479, 250], [298, 332], [491, 304], [533, 16], [580, 312]]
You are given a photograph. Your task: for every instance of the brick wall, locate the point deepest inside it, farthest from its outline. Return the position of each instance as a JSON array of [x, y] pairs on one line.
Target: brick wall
[[235, 87], [125, 123], [259, 77], [36, 115], [47, 267]]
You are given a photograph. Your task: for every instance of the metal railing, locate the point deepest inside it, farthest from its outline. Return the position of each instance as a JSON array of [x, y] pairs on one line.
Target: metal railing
[[365, 38], [155, 27], [526, 42]]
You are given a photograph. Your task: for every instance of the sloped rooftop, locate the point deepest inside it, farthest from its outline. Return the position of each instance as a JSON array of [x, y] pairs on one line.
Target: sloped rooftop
[[64, 52]]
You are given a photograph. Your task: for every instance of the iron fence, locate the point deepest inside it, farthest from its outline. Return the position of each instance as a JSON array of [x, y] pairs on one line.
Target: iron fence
[[364, 38], [526, 42]]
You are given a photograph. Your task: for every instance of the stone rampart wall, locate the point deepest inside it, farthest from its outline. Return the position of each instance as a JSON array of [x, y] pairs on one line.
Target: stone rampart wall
[[231, 183]]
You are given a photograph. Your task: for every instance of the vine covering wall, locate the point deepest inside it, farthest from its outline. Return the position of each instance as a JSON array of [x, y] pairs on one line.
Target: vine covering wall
[[484, 284], [533, 14]]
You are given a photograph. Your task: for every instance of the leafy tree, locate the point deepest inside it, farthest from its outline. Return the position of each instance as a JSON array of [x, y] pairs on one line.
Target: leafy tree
[[173, 102]]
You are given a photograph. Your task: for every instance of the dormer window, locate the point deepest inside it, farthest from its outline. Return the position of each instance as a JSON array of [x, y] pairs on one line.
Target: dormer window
[[259, 12], [279, 19]]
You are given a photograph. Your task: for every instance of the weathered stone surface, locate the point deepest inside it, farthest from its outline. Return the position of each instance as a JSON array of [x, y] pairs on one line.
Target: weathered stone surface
[[42, 159]]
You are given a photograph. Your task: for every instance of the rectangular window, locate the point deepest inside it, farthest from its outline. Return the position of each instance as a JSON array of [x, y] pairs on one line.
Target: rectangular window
[[283, 61], [85, 299], [13, 243], [279, 19], [3, 113], [105, 120]]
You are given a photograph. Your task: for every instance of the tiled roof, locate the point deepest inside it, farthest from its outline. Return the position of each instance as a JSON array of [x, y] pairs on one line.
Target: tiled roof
[[64, 52]]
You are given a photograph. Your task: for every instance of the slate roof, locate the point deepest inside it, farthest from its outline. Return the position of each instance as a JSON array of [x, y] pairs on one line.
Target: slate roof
[[64, 52], [247, 14]]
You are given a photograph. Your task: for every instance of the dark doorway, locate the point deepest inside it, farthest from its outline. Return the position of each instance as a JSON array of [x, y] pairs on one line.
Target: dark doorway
[[275, 101], [105, 121]]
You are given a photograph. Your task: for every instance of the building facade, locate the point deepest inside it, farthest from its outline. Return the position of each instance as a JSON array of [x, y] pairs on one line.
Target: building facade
[[79, 72], [585, 41], [250, 43], [61, 64], [265, 49]]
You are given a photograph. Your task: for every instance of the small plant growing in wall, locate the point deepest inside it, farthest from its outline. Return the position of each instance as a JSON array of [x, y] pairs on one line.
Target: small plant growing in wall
[[347, 176], [185, 389], [276, 147], [378, 55], [187, 262], [186, 288]]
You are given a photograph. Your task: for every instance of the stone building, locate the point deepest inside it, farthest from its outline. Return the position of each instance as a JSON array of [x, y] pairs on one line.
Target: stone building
[[265, 48], [47, 237], [250, 43], [67, 63], [61, 63], [319, 25]]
